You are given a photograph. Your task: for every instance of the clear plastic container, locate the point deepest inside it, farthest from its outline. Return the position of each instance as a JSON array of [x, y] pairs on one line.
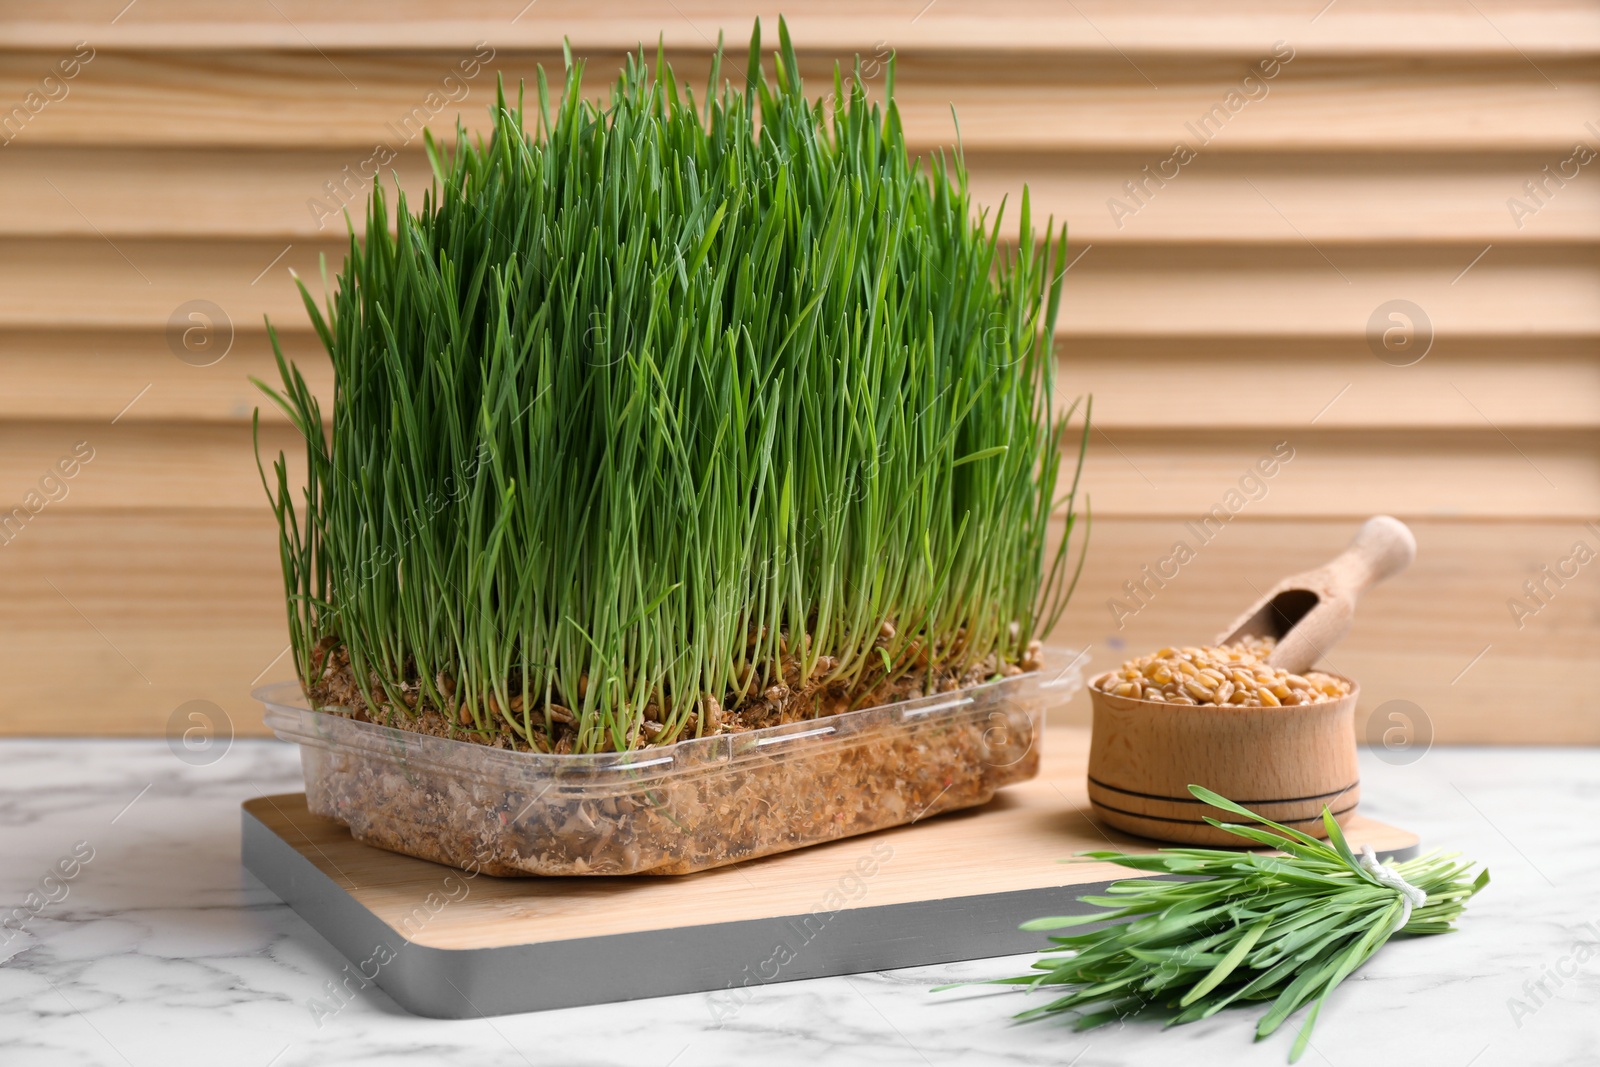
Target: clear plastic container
[[677, 808]]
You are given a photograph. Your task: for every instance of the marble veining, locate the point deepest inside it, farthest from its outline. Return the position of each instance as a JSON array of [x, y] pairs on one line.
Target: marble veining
[[159, 949]]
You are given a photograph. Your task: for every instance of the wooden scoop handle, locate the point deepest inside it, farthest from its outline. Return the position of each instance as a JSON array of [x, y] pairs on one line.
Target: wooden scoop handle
[[1381, 549], [1309, 613]]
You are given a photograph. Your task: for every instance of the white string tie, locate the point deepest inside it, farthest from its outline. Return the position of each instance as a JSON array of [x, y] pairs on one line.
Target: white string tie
[[1410, 895]]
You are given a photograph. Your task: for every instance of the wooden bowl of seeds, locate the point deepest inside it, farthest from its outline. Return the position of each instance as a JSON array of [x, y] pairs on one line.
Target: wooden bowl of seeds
[[1281, 744]]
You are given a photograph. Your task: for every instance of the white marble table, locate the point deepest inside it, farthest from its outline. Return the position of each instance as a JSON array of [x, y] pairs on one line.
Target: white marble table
[[161, 950]]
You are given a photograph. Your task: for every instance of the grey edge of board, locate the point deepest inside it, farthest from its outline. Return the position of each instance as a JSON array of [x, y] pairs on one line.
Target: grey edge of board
[[503, 980]]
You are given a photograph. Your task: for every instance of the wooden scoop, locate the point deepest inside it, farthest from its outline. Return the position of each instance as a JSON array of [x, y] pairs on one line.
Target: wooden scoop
[[1310, 613]]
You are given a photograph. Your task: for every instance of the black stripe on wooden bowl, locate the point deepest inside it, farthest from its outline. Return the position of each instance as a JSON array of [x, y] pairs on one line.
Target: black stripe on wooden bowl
[[1247, 803], [1201, 822]]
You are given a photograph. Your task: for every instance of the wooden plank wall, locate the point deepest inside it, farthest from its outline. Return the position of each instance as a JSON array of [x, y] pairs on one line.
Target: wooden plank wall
[[1312, 162]]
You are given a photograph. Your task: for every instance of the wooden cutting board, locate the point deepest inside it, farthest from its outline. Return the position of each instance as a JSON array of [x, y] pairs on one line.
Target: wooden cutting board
[[446, 944]]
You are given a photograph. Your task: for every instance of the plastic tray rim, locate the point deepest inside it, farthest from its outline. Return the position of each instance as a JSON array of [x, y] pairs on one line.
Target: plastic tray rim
[[291, 718]]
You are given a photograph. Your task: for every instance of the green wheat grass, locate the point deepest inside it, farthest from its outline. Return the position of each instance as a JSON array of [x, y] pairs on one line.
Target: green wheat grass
[[1240, 928], [659, 399]]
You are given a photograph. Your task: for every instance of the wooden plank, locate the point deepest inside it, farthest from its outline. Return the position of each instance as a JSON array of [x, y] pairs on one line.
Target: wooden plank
[[141, 284], [118, 619], [1399, 199], [1486, 475], [1144, 385], [192, 601], [280, 195], [1481, 474], [134, 376], [1507, 29], [1485, 472], [1461, 384], [1402, 200], [1101, 103], [134, 467], [1314, 292], [1169, 291]]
